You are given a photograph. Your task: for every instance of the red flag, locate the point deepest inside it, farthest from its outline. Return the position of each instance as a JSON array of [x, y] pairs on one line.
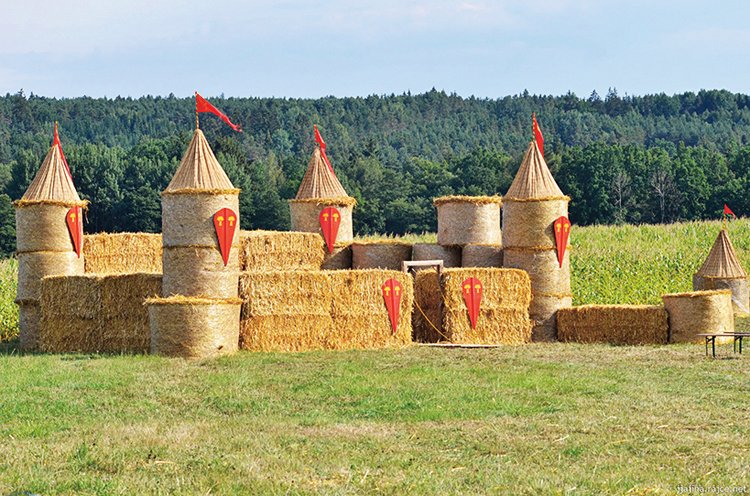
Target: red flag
[[728, 211], [538, 134], [392, 295], [202, 105], [56, 141], [322, 145]]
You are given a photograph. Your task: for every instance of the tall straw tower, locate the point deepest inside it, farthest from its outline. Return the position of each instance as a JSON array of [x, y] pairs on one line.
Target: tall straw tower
[[722, 270], [44, 242], [530, 207]]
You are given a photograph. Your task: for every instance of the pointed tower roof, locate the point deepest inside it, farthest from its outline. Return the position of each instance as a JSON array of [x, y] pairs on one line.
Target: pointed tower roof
[[534, 180], [199, 169], [52, 182], [319, 181], [722, 261]]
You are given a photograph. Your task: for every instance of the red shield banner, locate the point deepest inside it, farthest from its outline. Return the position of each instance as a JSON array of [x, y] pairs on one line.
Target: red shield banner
[[392, 295], [330, 220], [562, 233], [225, 222], [75, 227], [472, 291]]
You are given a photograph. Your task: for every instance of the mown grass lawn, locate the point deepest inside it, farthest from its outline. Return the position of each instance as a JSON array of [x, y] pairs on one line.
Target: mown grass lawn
[[536, 419]]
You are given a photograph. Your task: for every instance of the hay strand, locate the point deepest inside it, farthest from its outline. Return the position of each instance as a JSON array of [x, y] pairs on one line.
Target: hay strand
[[614, 324]]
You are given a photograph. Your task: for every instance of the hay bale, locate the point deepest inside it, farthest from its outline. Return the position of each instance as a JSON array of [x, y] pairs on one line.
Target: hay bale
[[529, 222], [450, 255], [306, 310], [33, 266], [29, 319], [42, 227], [543, 268], [199, 271], [427, 315], [194, 327], [188, 218], [504, 310], [614, 324], [305, 215], [106, 314], [122, 253], [543, 313], [698, 312], [464, 220], [383, 254], [340, 259], [276, 250], [738, 286], [482, 256]]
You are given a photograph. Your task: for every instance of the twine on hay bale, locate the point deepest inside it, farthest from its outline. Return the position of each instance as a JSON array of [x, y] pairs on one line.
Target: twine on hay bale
[[465, 220], [543, 314], [307, 310], [738, 286], [43, 227], [199, 271], [340, 259], [188, 217], [427, 315], [698, 312], [482, 256], [29, 320], [105, 315], [122, 253], [276, 250], [614, 324], [450, 255], [504, 310], [385, 254], [33, 266], [305, 215], [529, 222], [194, 327], [543, 268]]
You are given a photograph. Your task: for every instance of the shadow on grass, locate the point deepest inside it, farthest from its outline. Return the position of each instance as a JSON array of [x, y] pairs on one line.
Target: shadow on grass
[[10, 347]]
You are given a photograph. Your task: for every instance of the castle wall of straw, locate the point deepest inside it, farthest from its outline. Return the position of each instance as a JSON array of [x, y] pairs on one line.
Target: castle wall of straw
[[698, 312], [738, 286], [450, 255], [96, 313], [122, 253], [614, 324], [482, 256], [468, 220], [275, 250], [305, 216], [299, 310], [380, 255]]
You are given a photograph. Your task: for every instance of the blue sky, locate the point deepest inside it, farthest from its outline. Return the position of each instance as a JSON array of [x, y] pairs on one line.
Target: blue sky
[[298, 48]]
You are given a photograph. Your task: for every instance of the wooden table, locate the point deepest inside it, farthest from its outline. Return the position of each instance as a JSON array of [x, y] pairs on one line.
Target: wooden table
[[711, 337]]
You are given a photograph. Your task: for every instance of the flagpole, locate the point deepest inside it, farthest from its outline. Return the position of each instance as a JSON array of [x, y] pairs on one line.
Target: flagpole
[[197, 122]]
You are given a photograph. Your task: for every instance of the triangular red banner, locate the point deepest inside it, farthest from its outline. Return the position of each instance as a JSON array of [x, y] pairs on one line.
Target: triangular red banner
[[392, 295], [472, 291], [225, 223], [562, 233], [75, 226], [330, 220]]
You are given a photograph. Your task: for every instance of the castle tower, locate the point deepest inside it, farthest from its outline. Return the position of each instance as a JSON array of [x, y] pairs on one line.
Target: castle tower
[[722, 270], [44, 241], [530, 207]]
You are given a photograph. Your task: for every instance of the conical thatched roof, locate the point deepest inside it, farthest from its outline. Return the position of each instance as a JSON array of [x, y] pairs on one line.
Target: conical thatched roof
[[52, 182], [722, 261], [199, 169], [533, 180], [319, 181]]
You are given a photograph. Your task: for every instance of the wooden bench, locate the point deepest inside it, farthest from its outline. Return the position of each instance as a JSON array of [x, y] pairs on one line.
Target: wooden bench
[[711, 338]]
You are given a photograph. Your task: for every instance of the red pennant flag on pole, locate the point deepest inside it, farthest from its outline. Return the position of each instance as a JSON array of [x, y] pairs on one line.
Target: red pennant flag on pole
[[728, 211], [56, 141], [202, 105], [538, 134], [322, 145]]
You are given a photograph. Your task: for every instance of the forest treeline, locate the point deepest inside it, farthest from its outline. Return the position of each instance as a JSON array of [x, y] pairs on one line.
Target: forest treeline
[[652, 159]]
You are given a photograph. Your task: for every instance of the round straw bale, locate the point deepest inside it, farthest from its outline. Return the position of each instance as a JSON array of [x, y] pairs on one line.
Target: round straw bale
[[464, 220], [42, 227], [194, 327], [543, 311], [200, 271], [306, 216], [32, 267], [738, 287], [482, 256], [340, 259], [450, 255], [530, 222], [380, 255], [698, 312], [188, 219], [29, 318], [543, 268]]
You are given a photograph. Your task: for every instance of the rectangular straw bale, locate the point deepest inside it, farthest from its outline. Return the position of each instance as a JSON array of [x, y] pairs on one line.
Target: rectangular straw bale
[[277, 250], [285, 332], [427, 316], [614, 324], [504, 310], [122, 253], [286, 293]]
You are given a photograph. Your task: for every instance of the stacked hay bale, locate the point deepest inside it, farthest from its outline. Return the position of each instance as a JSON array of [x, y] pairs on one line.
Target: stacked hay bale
[[43, 241], [531, 206], [450, 255], [382, 254], [613, 324], [97, 313], [122, 253], [321, 188], [698, 312], [200, 310], [722, 270], [277, 250], [309, 310]]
